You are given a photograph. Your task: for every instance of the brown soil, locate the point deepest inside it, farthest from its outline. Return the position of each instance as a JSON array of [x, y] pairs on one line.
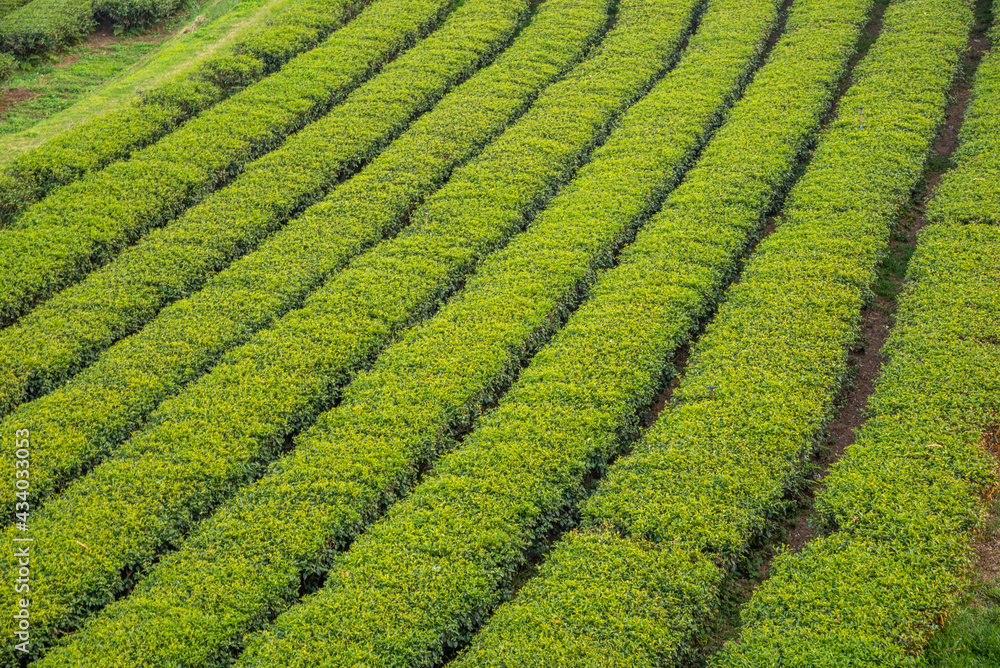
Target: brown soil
[[12, 96], [865, 362], [738, 589], [68, 61], [986, 567], [97, 42], [680, 361], [877, 318], [869, 34], [197, 23], [154, 36], [986, 546], [104, 36], [101, 38], [779, 30]]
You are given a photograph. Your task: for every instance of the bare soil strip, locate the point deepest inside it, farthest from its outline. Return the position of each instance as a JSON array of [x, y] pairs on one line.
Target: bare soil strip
[[877, 319], [865, 360], [739, 586]]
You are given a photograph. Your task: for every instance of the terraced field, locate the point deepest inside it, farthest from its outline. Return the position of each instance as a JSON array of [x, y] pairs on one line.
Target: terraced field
[[499, 333]]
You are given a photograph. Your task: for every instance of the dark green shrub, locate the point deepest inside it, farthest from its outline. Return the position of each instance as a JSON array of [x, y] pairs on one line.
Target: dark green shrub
[[8, 63]]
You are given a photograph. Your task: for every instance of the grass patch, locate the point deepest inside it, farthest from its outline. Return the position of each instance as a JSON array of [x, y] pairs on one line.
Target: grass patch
[[99, 79], [972, 638], [52, 86], [893, 269]]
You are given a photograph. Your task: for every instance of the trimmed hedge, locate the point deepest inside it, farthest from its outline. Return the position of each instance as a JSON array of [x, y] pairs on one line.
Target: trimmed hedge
[[128, 14], [643, 601], [45, 25], [715, 468], [113, 136], [363, 454], [842, 602], [522, 632], [427, 575], [712, 472], [109, 209], [39, 26], [81, 422], [65, 333], [203, 444], [905, 497], [969, 193], [940, 386]]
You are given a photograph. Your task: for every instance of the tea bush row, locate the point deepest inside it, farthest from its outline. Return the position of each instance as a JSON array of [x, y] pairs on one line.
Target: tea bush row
[[203, 444]]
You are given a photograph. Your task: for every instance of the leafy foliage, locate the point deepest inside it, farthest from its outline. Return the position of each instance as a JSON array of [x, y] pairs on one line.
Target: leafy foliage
[[64, 334], [7, 6], [712, 471], [306, 313], [112, 208], [129, 14], [601, 600], [114, 135], [8, 64], [969, 192], [442, 372], [191, 456], [904, 498], [45, 25], [81, 422], [40, 26], [432, 569], [679, 264], [763, 379]]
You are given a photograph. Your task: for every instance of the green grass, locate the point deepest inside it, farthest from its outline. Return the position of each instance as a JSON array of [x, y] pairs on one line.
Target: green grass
[[106, 78], [892, 271], [971, 637], [78, 70]]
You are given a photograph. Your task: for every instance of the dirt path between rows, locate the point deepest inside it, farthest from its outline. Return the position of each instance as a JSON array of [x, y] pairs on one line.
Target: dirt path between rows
[[864, 364], [866, 361]]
